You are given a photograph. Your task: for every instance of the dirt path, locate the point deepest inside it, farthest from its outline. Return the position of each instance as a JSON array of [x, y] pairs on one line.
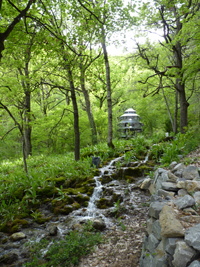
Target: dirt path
[[123, 242]]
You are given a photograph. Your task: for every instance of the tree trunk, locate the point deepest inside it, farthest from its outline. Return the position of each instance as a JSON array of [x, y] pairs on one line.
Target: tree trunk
[[27, 128], [76, 117], [109, 100], [88, 108], [175, 129]]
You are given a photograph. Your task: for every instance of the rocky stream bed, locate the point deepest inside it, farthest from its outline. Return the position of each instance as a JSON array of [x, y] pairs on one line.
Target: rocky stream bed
[[112, 199]]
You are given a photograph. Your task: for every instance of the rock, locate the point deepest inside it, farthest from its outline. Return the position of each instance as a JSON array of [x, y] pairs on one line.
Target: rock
[[195, 264], [182, 192], [171, 244], [191, 185], [190, 173], [170, 226], [178, 167], [185, 202], [172, 165], [146, 184], [156, 230], [9, 258], [53, 230], [192, 236], [17, 236], [172, 176], [152, 243], [164, 193], [148, 260], [98, 224], [96, 161], [169, 186], [160, 176], [150, 222], [181, 184], [155, 209], [197, 197], [183, 254]]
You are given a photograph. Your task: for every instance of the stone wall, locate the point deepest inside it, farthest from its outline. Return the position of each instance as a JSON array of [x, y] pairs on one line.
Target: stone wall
[[173, 224]]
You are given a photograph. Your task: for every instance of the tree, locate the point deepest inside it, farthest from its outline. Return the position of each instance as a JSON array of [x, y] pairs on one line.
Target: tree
[[170, 16]]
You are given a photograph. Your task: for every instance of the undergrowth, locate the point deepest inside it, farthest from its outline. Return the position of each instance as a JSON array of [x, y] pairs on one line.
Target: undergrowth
[[65, 252]]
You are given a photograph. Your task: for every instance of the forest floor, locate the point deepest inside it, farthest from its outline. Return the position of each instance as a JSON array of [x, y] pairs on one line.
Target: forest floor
[[123, 248]]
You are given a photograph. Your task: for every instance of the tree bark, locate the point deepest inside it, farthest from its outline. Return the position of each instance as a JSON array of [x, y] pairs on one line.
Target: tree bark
[[76, 117], [109, 100], [88, 108]]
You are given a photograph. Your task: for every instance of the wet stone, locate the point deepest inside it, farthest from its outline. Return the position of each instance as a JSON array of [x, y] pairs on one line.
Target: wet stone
[[17, 236]]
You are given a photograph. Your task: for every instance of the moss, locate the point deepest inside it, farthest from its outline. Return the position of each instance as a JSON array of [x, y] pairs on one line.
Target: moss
[[76, 206], [89, 181], [90, 191], [96, 172], [48, 191], [75, 191], [57, 181], [15, 229], [63, 209], [134, 172], [4, 240], [66, 200], [81, 199], [85, 204], [19, 193], [23, 223], [42, 219], [104, 203], [106, 179]]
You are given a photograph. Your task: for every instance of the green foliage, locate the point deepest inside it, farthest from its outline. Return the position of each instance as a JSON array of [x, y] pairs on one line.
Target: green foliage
[[68, 251]]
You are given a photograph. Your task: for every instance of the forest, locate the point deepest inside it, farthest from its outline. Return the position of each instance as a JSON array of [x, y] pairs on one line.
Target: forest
[[62, 91], [69, 70]]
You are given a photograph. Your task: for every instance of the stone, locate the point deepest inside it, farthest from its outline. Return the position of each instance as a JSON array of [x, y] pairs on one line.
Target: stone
[[172, 165], [192, 236], [196, 196], [183, 254], [152, 243], [155, 209], [8, 258], [161, 262], [164, 193], [172, 176], [96, 161], [185, 202], [156, 230], [146, 184], [148, 260], [181, 184], [191, 185], [171, 244], [170, 226], [190, 173], [182, 192], [169, 186], [53, 230], [178, 167], [150, 222], [17, 236], [98, 224], [160, 177], [195, 264]]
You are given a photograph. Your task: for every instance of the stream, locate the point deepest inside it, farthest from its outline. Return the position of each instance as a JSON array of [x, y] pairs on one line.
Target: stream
[[109, 201]]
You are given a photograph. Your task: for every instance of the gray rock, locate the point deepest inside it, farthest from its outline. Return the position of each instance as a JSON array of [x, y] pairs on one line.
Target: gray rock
[[99, 224], [17, 236], [9, 258], [178, 167], [152, 243], [146, 184], [190, 173], [155, 209], [197, 197], [169, 186], [171, 244], [182, 192], [150, 222], [161, 262], [164, 193], [192, 236], [160, 177], [172, 165], [148, 260], [178, 173], [195, 264], [185, 202], [156, 230], [183, 254], [172, 176]]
